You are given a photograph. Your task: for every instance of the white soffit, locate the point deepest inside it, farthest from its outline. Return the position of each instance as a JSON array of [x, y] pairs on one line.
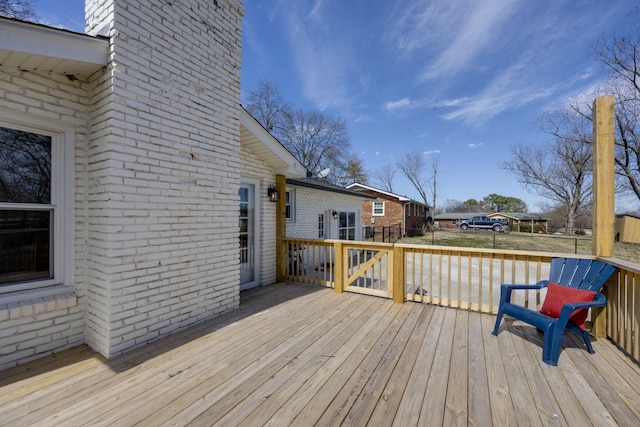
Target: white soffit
[[34, 47]]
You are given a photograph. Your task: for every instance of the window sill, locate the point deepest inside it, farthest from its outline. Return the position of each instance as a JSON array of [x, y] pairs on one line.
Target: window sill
[[31, 303]]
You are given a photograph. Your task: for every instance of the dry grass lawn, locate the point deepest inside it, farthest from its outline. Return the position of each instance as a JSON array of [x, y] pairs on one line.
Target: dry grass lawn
[[521, 241]]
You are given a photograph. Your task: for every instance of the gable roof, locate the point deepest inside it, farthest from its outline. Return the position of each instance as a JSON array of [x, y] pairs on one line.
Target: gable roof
[[322, 184], [36, 47], [400, 198], [255, 137]]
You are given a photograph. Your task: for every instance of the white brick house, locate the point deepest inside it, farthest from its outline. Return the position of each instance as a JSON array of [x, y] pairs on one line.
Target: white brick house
[[317, 209], [135, 232]]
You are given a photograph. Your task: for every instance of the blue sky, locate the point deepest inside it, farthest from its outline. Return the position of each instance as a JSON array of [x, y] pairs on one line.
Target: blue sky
[[461, 81]]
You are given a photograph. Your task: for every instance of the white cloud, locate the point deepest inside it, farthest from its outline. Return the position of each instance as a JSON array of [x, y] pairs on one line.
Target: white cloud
[[473, 34], [428, 152], [473, 145], [402, 105], [363, 118]]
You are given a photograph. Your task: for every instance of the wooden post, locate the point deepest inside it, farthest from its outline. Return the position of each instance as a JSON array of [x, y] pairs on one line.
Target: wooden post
[[338, 268], [281, 230], [399, 291], [603, 177], [603, 192]]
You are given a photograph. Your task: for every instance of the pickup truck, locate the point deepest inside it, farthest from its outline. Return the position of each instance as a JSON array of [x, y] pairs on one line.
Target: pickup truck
[[485, 222]]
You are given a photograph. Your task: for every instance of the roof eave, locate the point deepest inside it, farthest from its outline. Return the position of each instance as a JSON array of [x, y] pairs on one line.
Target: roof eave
[[34, 47], [280, 159]]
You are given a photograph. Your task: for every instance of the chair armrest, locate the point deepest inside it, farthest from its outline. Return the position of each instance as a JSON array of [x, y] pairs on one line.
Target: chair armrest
[[541, 284], [505, 289], [568, 309], [599, 301]]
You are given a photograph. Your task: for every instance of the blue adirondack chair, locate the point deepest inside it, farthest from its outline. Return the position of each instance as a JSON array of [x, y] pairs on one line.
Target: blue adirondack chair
[[574, 273]]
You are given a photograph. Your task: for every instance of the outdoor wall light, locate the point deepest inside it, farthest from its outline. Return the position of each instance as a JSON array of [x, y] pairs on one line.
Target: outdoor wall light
[[272, 192], [334, 215]]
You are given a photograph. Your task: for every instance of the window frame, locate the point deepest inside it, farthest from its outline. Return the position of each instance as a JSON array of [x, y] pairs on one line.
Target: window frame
[[290, 203], [61, 204], [373, 208]]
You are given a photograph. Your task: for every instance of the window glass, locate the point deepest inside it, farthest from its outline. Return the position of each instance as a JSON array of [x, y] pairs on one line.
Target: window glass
[[378, 208], [289, 205], [26, 209], [347, 226], [321, 226]]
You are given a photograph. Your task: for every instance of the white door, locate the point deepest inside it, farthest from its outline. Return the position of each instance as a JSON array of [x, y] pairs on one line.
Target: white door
[[248, 236]]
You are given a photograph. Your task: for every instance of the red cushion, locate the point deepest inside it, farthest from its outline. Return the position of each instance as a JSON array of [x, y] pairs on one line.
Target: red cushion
[[558, 295]]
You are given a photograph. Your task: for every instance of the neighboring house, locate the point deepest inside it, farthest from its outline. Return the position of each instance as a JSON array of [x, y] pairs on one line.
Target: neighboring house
[[450, 220], [144, 161], [317, 209], [392, 210], [518, 220]]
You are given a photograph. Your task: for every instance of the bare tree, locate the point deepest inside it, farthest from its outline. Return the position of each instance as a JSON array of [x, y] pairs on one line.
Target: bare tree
[[434, 184], [385, 176], [266, 105], [318, 141], [621, 56], [413, 165], [560, 171], [18, 9]]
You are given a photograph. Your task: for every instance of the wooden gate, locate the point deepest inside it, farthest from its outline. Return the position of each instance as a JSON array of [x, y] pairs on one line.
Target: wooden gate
[[368, 270]]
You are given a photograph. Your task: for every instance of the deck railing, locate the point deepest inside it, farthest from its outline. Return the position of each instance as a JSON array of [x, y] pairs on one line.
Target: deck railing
[[465, 278]]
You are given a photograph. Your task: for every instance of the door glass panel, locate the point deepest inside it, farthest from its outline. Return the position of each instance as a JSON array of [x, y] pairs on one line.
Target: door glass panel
[[247, 234]]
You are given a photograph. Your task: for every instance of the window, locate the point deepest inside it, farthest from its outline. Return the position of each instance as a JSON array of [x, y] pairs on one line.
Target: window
[[289, 205], [347, 226], [32, 214], [321, 226], [377, 209]]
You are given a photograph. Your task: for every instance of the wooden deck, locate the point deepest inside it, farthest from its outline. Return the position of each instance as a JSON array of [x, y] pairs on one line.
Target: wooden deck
[[304, 355]]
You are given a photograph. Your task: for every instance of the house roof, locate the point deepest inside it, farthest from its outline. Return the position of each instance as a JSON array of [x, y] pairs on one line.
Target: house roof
[[254, 136], [35, 47], [322, 184], [520, 216], [357, 185]]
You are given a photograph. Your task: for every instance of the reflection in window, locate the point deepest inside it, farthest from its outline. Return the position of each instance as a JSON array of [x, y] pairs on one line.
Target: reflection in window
[[289, 205], [347, 226], [26, 211], [321, 226]]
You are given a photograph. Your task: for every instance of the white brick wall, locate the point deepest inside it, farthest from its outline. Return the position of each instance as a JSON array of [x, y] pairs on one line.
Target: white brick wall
[[157, 169], [309, 203], [164, 169], [32, 327]]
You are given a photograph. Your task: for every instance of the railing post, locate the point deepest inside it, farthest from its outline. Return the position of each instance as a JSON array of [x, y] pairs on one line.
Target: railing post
[[338, 268], [399, 274], [603, 176]]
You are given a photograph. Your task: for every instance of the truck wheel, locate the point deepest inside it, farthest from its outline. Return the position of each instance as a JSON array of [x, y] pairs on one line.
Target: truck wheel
[[497, 228], [464, 227]]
